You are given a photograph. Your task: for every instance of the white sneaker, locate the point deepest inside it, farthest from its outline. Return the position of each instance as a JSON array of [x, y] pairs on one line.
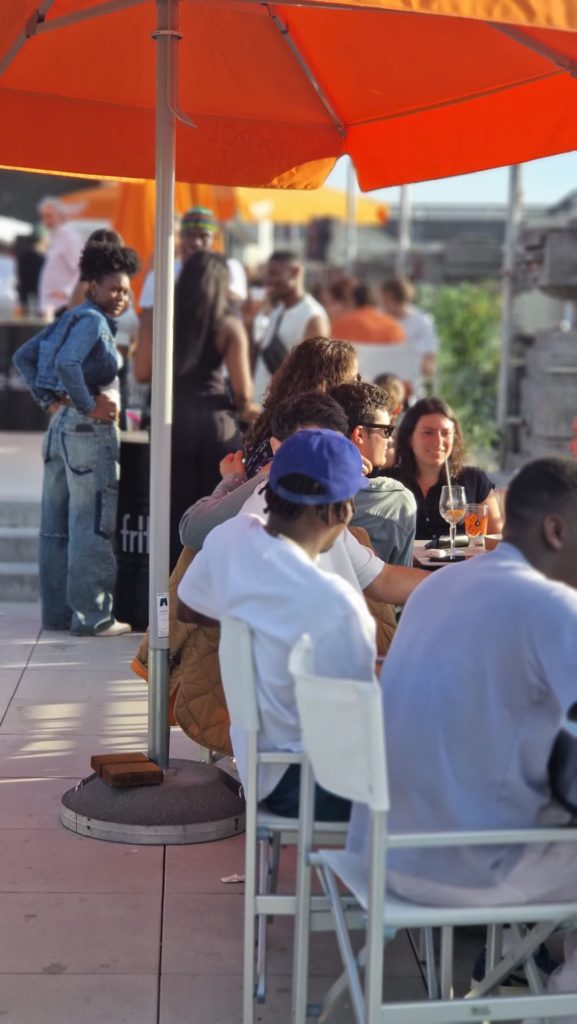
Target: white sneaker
[[115, 629]]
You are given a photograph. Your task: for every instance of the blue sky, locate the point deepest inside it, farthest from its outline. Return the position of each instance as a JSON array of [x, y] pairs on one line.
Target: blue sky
[[544, 181]]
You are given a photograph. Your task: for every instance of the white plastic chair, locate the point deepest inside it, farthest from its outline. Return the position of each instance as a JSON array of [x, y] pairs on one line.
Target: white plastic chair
[[353, 765], [265, 831]]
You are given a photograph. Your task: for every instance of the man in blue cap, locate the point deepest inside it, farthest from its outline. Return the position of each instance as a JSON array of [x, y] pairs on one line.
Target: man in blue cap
[[265, 575]]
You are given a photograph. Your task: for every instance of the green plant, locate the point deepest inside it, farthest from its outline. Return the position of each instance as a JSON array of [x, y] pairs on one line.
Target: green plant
[[468, 318]]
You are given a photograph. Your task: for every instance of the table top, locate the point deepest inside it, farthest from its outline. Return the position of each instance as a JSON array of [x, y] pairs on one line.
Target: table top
[[422, 558]]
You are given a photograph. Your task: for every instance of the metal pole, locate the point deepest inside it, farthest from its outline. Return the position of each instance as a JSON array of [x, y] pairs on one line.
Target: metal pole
[[404, 238], [351, 221], [166, 37], [514, 215]]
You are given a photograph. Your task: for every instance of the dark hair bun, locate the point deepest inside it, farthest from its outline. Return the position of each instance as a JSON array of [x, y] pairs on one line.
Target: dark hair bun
[[101, 258]]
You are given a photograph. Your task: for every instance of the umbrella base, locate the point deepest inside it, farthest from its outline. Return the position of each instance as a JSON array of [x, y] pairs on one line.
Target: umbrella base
[[196, 803]]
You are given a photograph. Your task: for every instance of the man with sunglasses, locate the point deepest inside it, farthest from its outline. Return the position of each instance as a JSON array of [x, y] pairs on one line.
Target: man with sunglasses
[[385, 509]]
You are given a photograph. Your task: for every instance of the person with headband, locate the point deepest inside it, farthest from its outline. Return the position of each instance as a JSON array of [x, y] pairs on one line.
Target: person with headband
[[198, 233]]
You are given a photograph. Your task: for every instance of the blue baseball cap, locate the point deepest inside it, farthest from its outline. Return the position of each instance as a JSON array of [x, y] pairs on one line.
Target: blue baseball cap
[[326, 457]]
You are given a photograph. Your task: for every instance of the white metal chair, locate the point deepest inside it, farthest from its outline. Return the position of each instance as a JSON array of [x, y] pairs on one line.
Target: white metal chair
[[353, 765], [265, 831]]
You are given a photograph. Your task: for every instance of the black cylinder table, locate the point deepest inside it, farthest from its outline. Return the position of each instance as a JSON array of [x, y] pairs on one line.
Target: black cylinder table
[[18, 410], [132, 531]]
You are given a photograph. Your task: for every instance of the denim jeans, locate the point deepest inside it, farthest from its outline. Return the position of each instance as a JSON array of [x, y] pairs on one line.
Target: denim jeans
[[79, 502]]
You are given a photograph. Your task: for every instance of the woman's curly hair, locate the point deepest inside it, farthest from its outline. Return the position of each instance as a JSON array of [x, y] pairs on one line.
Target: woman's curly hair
[[101, 258], [404, 455], [316, 364]]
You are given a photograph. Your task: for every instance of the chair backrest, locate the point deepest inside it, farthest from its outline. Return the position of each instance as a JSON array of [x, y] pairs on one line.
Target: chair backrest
[[343, 731], [237, 671]]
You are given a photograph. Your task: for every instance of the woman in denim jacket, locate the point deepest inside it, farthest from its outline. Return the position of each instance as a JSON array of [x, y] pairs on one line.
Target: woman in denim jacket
[[71, 370]]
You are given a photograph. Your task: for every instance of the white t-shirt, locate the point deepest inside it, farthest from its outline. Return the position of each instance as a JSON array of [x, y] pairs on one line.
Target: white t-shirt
[[59, 272], [291, 323], [271, 584], [237, 275], [419, 328], [482, 668], [348, 559]]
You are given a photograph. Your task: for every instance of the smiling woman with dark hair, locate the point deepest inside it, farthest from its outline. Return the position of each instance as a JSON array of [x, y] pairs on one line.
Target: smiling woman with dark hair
[[71, 369], [428, 434]]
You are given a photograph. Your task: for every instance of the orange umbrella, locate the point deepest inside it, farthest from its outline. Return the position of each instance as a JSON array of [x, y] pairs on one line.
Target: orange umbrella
[[412, 89]]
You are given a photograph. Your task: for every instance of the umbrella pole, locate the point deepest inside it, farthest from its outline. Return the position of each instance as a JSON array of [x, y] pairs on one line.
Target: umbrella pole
[[514, 216], [166, 37]]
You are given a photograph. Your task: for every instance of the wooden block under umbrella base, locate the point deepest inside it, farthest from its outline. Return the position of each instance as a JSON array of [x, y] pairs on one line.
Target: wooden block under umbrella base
[[132, 773], [98, 761]]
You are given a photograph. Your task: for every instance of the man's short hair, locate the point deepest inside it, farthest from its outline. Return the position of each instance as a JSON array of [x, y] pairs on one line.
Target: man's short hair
[[399, 289], [284, 256], [539, 488], [313, 409], [363, 296], [360, 402]]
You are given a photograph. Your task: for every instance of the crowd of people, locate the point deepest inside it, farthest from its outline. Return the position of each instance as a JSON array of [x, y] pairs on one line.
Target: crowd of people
[[301, 508]]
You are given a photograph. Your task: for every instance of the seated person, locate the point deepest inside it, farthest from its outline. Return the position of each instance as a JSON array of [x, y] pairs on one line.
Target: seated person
[[476, 684], [429, 434], [265, 574], [385, 509]]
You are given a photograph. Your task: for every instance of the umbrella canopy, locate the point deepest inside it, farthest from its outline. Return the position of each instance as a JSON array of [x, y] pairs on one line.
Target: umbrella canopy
[[411, 90]]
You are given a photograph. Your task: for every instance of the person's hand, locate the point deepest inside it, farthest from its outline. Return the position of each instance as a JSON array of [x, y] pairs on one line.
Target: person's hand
[[54, 407], [232, 463], [104, 409], [249, 412], [367, 466]]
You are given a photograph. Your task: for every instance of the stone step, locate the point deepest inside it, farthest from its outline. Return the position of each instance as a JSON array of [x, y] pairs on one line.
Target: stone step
[[20, 513], [18, 581], [18, 544]]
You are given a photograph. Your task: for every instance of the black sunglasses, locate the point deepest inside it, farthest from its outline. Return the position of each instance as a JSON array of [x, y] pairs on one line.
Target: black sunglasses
[[388, 429]]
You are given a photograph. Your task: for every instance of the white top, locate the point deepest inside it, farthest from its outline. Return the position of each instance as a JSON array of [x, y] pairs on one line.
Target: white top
[[291, 323], [59, 272], [419, 328], [271, 584], [348, 559], [479, 675], [237, 275]]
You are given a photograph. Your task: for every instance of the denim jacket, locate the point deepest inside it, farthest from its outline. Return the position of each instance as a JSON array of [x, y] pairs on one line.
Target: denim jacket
[[75, 356]]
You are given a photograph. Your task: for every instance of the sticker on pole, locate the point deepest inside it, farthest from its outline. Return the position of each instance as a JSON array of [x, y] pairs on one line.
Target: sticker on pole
[[162, 614]]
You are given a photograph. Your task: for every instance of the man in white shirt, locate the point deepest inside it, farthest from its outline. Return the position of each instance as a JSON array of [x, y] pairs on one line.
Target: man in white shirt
[[296, 315], [265, 574], [478, 679], [420, 334], [59, 272]]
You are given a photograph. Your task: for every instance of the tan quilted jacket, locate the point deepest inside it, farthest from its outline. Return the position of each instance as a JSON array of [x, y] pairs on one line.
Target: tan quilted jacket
[[197, 701]]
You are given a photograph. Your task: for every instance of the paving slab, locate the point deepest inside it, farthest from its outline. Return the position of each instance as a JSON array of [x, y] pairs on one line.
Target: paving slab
[[189, 870], [79, 933], [86, 685], [116, 717], [67, 863], [78, 999], [32, 803]]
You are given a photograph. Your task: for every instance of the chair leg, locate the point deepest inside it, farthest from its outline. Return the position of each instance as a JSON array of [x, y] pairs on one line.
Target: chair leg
[[427, 954], [447, 936], [248, 971], [261, 928], [345, 947]]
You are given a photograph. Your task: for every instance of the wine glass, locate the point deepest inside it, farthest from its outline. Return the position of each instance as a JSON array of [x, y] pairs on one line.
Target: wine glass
[[452, 509]]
